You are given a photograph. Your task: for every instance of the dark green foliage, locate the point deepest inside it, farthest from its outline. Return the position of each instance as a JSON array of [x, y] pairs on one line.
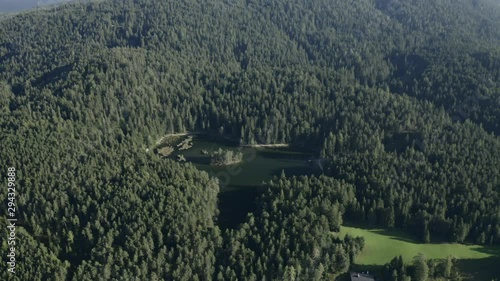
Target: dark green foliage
[[101, 212], [293, 227], [422, 269], [400, 99], [225, 157]]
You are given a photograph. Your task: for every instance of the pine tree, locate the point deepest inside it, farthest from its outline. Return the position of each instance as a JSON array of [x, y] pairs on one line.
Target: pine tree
[[421, 269]]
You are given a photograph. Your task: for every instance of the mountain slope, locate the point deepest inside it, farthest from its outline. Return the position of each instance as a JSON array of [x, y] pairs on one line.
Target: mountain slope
[[400, 100]]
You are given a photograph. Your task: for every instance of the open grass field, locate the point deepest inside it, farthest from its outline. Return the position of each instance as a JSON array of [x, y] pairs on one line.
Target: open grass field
[[382, 245]]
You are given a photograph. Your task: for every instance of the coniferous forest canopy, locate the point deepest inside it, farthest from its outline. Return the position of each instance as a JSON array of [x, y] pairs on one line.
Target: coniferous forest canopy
[[399, 99]]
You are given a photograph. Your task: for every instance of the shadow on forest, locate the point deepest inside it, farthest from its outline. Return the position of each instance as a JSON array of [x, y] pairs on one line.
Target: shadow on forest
[[55, 75], [480, 269], [298, 171], [396, 234], [235, 203], [490, 250], [393, 233], [408, 66], [400, 142]]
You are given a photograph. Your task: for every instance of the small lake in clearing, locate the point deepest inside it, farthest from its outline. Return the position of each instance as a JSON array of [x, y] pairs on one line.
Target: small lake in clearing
[[241, 183]]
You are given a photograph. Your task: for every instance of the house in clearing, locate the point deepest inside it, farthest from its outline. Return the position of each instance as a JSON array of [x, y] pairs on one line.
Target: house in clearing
[[361, 277]]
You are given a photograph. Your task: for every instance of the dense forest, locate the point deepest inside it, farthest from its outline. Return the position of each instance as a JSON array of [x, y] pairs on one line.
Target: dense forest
[[400, 99], [421, 269]]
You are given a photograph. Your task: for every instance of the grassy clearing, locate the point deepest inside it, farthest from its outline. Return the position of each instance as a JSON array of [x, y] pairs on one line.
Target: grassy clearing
[[171, 139], [382, 245]]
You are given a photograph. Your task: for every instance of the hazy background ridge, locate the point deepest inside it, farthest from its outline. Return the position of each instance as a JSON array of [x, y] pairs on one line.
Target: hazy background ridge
[[9, 6]]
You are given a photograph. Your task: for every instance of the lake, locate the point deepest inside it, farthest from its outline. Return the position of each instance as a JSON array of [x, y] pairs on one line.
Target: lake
[[241, 183]]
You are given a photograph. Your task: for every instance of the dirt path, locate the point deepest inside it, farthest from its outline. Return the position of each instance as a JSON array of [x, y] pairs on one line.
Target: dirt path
[[267, 145], [177, 135], [272, 145]]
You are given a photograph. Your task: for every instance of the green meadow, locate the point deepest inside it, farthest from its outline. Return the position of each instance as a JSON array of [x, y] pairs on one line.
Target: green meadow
[[382, 245]]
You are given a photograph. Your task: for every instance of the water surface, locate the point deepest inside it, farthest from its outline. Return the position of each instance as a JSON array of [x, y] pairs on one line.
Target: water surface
[[241, 183]]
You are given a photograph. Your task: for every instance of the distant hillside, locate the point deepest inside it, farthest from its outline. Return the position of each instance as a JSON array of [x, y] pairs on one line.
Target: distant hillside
[[10, 6], [398, 99]]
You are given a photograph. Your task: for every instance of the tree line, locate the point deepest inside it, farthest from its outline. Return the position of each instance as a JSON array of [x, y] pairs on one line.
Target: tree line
[[403, 114]]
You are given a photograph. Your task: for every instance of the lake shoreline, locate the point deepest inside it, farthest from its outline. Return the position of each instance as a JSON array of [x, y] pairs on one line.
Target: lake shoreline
[[227, 138], [271, 145]]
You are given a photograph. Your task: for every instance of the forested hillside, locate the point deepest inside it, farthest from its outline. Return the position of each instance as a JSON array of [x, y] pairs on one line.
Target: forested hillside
[[400, 99]]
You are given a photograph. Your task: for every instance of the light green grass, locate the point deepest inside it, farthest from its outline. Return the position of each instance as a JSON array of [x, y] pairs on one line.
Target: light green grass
[[381, 246]]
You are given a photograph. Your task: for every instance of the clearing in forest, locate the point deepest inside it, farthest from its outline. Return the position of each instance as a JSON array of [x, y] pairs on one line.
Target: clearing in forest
[[382, 245]]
